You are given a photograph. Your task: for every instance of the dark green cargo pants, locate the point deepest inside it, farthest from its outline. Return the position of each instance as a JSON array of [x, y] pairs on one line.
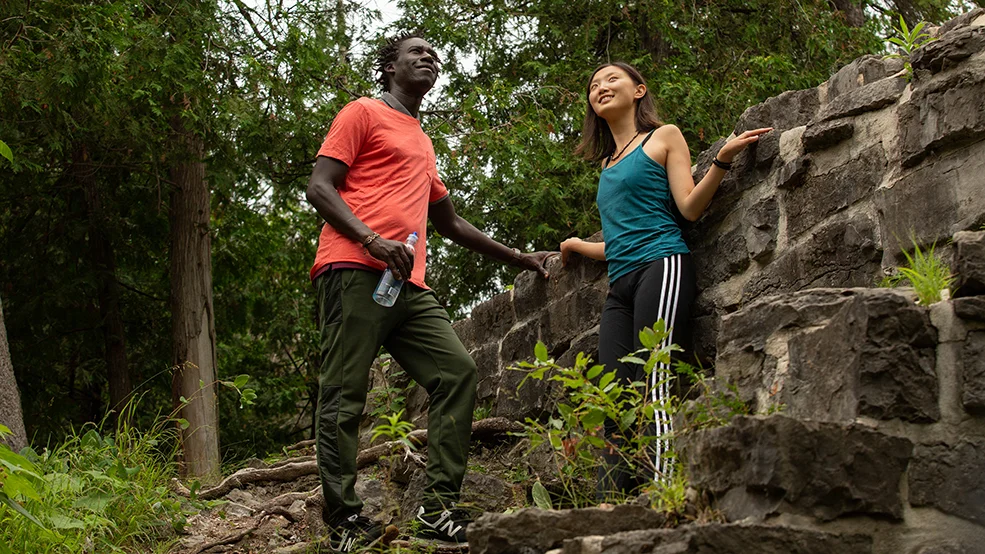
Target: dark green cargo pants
[[417, 332]]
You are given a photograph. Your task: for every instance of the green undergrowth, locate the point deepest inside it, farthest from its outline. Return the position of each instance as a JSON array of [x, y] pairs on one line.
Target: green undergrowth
[[104, 489], [925, 271], [590, 394]]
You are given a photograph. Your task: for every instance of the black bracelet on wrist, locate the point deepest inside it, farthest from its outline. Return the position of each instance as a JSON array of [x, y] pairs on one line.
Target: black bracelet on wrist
[[724, 166]]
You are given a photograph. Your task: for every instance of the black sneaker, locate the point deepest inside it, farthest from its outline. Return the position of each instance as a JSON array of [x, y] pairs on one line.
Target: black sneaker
[[442, 525], [358, 533]]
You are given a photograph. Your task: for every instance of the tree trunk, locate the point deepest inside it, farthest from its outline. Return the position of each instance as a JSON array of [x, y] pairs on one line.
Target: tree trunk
[[104, 263], [852, 10], [10, 398], [193, 326]]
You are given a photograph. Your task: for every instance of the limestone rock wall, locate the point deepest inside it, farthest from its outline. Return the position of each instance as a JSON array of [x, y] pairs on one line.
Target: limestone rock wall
[[854, 168]]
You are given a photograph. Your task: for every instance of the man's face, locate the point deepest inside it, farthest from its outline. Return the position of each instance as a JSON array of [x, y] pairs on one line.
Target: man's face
[[416, 67]]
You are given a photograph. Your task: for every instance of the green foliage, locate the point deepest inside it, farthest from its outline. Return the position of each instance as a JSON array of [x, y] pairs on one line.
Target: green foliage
[[711, 404], [926, 272], [594, 395], [92, 93], [392, 396], [482, 412], [6, 152], [542, 498], [394, 428], [246, 396], [96, 492], [909, 40]]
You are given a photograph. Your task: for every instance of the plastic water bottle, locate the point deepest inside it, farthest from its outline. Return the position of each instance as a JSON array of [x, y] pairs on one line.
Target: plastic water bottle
[[386, 292]]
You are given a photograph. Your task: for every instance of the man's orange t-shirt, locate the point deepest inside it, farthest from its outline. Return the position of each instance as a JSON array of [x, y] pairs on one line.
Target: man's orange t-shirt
[[391, 182]]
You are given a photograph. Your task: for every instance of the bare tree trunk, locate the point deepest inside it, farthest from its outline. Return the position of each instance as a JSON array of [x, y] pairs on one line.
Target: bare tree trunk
[[104, 262], [193, 326], [10, 398], [852, 10]]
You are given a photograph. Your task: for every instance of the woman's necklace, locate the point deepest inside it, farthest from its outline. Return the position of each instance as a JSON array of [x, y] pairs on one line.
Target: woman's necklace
[[616, 157]]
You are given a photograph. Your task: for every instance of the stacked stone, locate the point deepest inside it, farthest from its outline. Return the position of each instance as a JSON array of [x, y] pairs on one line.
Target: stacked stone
[[877, 438]]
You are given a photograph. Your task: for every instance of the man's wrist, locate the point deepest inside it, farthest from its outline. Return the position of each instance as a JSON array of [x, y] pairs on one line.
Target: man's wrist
[[369, 239], [515, 256]]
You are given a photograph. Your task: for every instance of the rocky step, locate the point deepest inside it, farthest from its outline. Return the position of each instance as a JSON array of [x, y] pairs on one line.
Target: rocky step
[[762, 466], [848, 476], [721, 539], [833, 355], [637, 529]]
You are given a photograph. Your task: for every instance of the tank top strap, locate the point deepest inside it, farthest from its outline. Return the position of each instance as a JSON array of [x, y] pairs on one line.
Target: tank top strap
[[648, 135]]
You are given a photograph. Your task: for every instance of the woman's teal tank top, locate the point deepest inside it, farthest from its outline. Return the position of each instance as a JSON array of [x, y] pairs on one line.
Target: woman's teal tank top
[[638, 223]]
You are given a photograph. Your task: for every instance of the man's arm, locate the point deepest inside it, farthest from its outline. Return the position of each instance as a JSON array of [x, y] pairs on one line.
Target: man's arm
[[450, 224], [328, 175]]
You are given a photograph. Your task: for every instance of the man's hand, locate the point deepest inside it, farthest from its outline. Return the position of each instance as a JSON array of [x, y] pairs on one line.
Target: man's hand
[[398, 256], [535, 261]]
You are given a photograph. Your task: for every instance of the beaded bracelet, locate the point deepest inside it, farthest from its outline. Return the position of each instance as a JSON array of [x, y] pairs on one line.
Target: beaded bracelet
[[370, 239]]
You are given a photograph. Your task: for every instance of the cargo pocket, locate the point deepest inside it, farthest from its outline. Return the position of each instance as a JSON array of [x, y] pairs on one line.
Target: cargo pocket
[[330, 298]]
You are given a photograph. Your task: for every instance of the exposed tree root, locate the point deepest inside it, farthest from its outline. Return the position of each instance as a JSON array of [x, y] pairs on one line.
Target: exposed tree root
[[299, 446], [232, 538], [486, 429], [287, 472], [289, 498], [295, 460]]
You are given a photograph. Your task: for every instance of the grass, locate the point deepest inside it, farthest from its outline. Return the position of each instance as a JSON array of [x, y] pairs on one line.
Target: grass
[[926, 272], [98, 491]]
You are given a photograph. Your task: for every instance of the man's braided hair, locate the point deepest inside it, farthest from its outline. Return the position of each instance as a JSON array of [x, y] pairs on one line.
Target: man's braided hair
[[388, 54]]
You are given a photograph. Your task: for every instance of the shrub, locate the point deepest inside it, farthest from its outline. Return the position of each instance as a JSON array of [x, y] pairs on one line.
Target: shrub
[[97, 492]]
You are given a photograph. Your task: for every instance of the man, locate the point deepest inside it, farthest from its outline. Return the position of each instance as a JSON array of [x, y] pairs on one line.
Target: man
[[375, 182]]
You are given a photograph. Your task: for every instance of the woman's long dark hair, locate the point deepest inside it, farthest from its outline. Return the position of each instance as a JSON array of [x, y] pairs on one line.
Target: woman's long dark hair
[[596, 138]]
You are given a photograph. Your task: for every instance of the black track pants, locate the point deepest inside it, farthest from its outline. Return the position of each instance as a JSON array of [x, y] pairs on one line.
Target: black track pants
[[663, 289]]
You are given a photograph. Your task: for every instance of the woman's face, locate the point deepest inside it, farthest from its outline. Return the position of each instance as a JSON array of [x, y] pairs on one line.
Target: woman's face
[[612, 91]]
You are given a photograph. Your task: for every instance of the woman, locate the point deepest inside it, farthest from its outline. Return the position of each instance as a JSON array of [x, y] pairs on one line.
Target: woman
[[646, 172]]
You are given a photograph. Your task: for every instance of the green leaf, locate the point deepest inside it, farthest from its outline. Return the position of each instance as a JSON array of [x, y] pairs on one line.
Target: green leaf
[[94, 502], [648, 338], [241, 381], [183, 423], [627, 419], [4, 430], [593, 419], [59, 521], [6, 153], [606, 379], [17, 486], [542, 498], [594, 371], [4, 499], [91, 440], [540, 351], [632, 360], [16, 463]]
